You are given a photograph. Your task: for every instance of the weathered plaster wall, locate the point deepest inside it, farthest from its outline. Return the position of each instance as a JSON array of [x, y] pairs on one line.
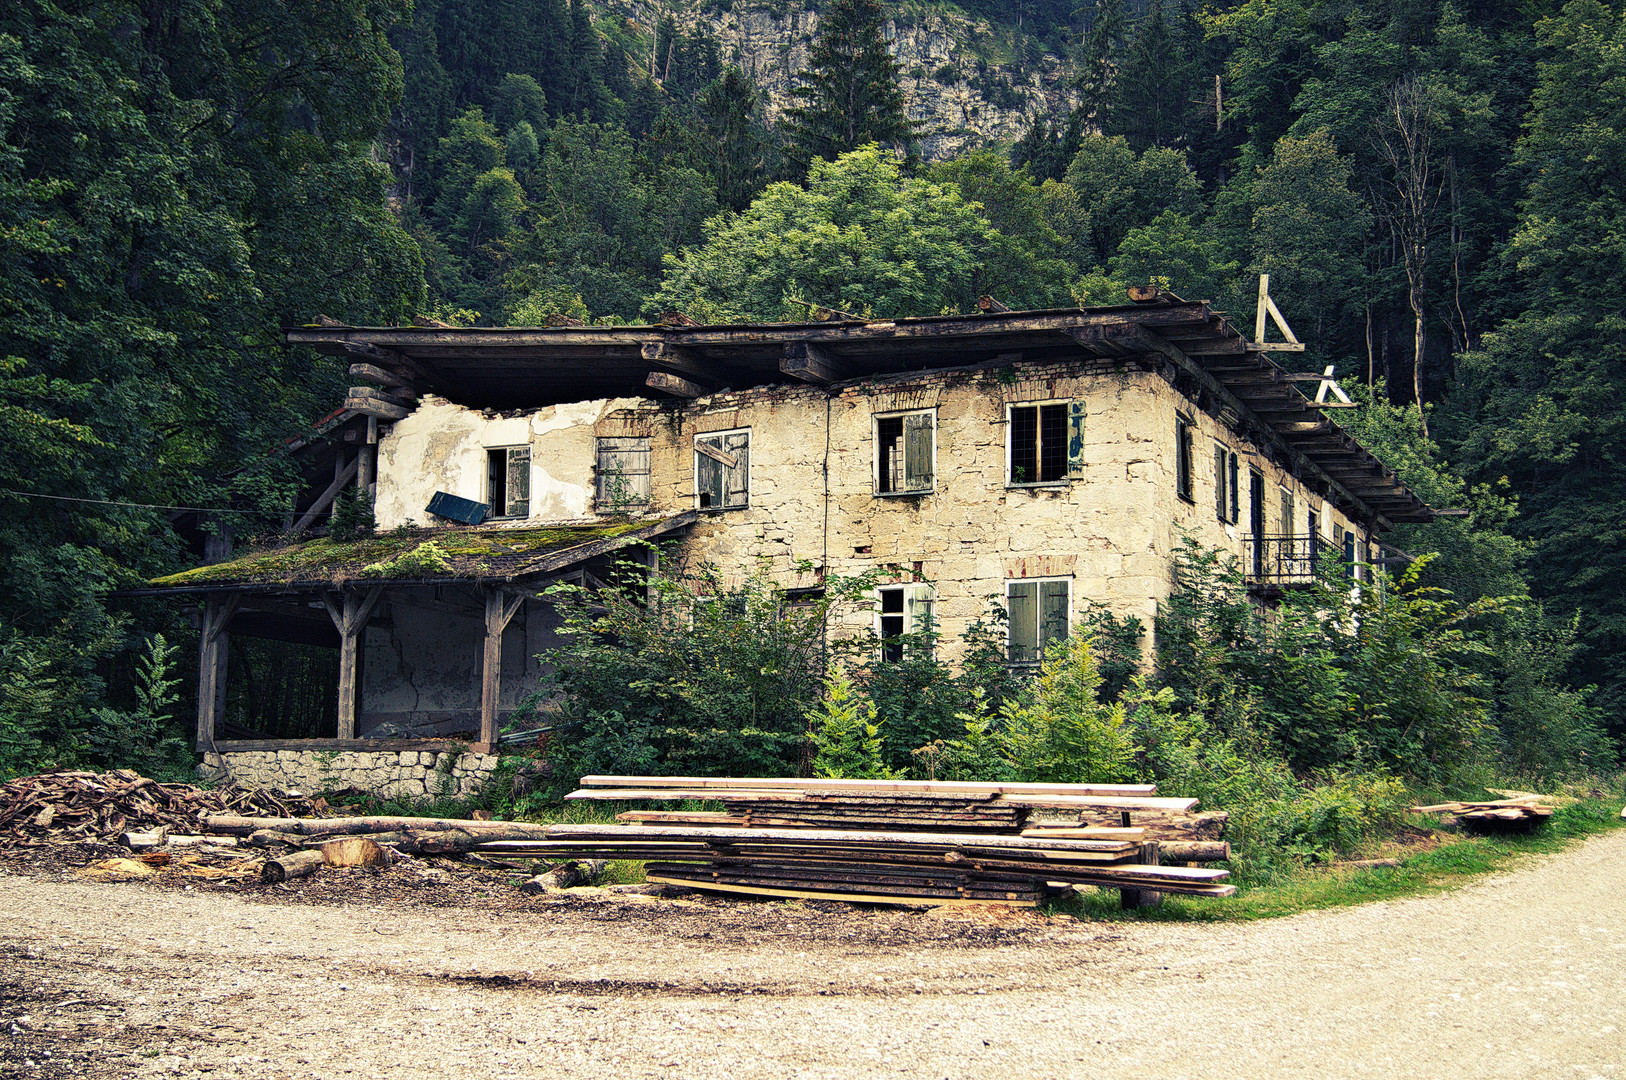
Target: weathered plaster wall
[[412, 774], [442, 447], [421, 664]]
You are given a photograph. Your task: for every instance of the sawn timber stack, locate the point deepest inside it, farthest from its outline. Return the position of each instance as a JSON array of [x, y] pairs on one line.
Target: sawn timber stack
[[885, 840]]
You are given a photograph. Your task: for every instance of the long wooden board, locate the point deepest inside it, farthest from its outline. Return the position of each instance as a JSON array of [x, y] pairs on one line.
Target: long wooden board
[[1107, 802], [821, 894], [824, 836], [960, 788]]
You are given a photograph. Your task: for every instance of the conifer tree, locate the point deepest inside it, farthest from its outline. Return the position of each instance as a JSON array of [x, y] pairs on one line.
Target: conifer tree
[[850, 93], [1098, 73], [1149, 99]]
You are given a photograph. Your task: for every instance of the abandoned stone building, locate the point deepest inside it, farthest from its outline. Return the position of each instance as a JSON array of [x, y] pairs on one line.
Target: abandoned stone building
[[1044, 461]]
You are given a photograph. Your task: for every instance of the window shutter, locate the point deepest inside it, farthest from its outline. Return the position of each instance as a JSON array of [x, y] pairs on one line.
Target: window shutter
[[1075, 440], [1236, 492], [1022, 603], [1219, 482], [737, 493], [917, 603], [1052, 611], [518, 496], [917, 452]]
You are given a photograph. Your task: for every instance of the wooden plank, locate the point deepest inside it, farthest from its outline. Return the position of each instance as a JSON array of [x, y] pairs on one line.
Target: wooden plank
[[810, 836], [682, 361], [928, 787], [822, 894], [325, 500]]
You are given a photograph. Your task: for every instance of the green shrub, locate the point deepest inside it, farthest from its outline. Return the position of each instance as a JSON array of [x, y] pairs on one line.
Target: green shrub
[[1061, 731], [845, 735]]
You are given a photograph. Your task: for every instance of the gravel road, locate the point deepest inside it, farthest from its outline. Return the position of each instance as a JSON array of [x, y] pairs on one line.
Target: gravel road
[[1519, 976]]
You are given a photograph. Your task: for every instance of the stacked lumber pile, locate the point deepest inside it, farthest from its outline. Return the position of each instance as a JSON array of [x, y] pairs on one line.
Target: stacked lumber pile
[[1524, 811], [69, 806], [894, 840]]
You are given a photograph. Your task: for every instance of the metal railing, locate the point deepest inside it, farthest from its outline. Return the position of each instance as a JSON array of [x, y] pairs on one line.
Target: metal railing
[[1288, 561]]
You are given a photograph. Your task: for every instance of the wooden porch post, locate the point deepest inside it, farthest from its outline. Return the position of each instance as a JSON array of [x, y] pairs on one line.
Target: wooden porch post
[[212, 665], [500, 609], [350, 617]]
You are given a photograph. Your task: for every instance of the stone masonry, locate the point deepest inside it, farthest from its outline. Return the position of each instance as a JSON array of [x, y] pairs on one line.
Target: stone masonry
[[411, 774]]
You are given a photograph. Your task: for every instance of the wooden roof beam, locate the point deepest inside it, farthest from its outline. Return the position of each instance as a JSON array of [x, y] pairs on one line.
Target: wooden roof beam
[[675, 385], [811, 364], [683, 361]]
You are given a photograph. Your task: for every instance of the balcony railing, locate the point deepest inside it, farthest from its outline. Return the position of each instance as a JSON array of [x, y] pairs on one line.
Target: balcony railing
[[1287, 562]]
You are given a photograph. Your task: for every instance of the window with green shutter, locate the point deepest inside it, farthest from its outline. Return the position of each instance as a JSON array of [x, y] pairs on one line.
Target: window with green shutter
[[1037, 614], [905, 453]]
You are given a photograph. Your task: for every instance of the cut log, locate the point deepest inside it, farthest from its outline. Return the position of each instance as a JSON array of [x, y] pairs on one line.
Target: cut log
[[295, 865], [568, 876], [353, 851], [1195, 850], [232, 825], [1143, 898]]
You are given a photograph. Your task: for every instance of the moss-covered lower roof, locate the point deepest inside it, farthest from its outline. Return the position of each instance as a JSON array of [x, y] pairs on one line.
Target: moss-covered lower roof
[[420, 556]]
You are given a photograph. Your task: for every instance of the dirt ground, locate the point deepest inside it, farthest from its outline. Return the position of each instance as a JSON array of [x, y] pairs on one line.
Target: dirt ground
[[449, 973]]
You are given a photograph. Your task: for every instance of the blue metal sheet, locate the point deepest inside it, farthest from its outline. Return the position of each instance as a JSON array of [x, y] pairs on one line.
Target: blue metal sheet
[[451, 506]]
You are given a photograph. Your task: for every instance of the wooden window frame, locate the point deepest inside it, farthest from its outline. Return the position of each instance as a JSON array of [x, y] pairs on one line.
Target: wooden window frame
[[1072, 442], [880, 479], [635, 498], [1185, 464], [1039, 628], [502, 503], [915, 609], [722, 437]]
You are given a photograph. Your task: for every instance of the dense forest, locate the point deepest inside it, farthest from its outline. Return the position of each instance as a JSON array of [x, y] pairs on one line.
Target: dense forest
[[1433, 187]]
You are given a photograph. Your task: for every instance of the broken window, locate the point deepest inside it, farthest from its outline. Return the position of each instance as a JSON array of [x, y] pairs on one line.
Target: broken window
[[1046, 442], [508, 481], [722, 463], [901, 610], [1037, 611], [1183, 485], [622, 474], [905, 451]]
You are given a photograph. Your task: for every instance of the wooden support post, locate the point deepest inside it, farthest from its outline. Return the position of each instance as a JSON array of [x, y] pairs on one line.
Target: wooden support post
[[1150, 855], [212, 640], [500, 609], [350, 617]]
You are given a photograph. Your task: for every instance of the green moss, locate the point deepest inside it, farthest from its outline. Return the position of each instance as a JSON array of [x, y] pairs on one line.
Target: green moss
[[465, 553]]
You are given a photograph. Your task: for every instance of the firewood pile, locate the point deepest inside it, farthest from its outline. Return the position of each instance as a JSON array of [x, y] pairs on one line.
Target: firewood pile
[[68, 806], [899, 841]]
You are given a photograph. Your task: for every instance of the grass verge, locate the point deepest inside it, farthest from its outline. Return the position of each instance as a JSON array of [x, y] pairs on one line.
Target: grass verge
[[1462, 858]]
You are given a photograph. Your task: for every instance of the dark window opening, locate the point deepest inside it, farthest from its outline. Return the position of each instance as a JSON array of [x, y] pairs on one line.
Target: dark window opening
[[1183, 462], [892, 625], [1039, 438], [508, 481]]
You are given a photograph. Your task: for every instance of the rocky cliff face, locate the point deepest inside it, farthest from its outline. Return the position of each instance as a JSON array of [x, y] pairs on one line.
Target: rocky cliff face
[[961, 80]]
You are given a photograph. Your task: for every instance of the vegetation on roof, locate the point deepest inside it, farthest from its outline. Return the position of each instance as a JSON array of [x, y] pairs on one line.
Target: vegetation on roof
[[471, 553]]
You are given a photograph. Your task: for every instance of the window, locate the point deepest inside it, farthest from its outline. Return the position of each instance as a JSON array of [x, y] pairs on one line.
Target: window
[[1287, 512], [1225, 485], [905, 451], [722, 465], [1236, 492], [1037, 613], [1182, 458], [1046, 442], [622, 475], [901, 610], [508, 481], [1345, 539]]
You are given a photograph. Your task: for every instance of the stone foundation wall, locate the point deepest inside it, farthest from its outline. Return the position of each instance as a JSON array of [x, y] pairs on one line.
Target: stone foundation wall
[[413, 774]]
